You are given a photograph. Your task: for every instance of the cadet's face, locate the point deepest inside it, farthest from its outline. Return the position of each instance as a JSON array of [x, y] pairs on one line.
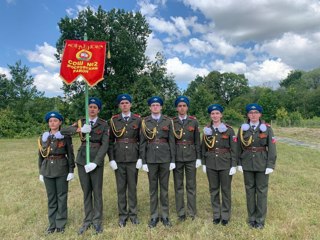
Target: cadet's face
[[254, 116], [182, 108], [216, 116], [125, 106], [155, 108], [54, 124], [93, 110]]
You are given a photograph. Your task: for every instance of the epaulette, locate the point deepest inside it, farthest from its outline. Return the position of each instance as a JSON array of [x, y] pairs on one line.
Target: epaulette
[[192, 117], [165, 116], [268, 124], [102, 120], [115, 116], [137, 115], [174, 118], [227, 125]]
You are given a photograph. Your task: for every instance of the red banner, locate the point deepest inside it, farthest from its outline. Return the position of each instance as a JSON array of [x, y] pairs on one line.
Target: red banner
[[83, 58]]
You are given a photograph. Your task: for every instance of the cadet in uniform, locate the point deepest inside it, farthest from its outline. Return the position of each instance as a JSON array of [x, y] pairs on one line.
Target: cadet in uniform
[[56, 165], [188, 154], [219, 162], [124, 158], [91, 174], [157, 148], [257, 157]]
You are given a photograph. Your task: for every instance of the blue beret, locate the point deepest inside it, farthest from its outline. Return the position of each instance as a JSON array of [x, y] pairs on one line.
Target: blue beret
[[124, 97], [182, 99], [217, 107], [96, 101], [254, 106], [53, 115], [155, 99]]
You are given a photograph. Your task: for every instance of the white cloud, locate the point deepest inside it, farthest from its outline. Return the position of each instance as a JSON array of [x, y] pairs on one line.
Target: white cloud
[[299, 51], [181, 26], [154, 46], [6, 71], [183, 72], [147, 8], [43, 55], [236, 67], [162, 26], [11, 1], [46, 81]]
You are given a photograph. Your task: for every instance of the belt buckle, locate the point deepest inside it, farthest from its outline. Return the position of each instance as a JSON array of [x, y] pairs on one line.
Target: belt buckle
[[254, 149], [126, 140], [216, 150]]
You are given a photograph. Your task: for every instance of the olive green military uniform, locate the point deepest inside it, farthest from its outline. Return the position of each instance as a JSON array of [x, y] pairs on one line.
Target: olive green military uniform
[[92, 182], [254, 159], [124, 149], [218, 160], [55, 168], [158, 151], [188, 149]]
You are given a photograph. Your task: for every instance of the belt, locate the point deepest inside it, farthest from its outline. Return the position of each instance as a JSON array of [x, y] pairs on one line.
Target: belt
[[219, 150], [255, 149], [159, 140], [92, 144], [55, 157], [126, 140], [184, 142]]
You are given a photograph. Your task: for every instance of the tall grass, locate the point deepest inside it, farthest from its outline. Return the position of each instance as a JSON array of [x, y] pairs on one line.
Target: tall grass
[[293, 202]]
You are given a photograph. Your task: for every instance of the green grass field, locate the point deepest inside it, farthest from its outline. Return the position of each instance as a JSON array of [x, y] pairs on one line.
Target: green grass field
[[293, 203]]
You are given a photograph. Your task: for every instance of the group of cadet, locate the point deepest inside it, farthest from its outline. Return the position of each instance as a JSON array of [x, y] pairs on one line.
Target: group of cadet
[[157, 144]]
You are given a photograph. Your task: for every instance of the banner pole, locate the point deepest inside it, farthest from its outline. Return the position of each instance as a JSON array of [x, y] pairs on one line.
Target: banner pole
[[85, 38]]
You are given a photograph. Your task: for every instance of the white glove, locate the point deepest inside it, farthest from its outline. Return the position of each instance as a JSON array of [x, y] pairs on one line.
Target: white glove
[[70, 176], [90, 167], [172, 166], [86, 128], [145, 167], [41, 178], [139, 164], [113, 165], [240, 169], [204, 168], [269, 170], [233, 170], [198, 163]]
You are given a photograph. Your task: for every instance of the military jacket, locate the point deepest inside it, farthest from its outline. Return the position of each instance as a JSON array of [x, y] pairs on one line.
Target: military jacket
[[99, 142], [187, 137], [60, 160], [161, 148], [124, 138], [251, 157], [222, 155]]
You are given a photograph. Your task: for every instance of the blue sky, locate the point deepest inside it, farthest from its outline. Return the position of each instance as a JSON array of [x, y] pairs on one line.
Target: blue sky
[[263, 39]]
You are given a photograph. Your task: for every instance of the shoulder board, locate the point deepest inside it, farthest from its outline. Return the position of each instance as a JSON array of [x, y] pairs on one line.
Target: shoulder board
[[192, 117], [102, 120], [268, 124], [164, 116], [174, 118], [136, 115], [227, 125], [115, 116]]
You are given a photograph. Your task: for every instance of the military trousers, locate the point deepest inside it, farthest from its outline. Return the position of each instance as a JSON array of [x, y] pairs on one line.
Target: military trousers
[[189, 169], [91, 184], [256, 184], [127, 178], [57, 193], [220, 180], [159, 174]]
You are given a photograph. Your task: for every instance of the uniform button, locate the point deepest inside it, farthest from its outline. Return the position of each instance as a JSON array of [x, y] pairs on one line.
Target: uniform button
[[126, 146], [184, 147], [157, 132], [216, 155], [217, 141], [252, 140], [253, 155], [184, 133], [157, 147], [126, 124], [216, 134]]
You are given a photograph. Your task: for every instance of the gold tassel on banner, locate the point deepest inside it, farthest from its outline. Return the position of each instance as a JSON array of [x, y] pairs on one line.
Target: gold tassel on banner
[[108, 54]]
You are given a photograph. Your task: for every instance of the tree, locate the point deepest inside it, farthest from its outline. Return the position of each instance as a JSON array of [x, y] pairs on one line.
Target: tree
[[293, 78]]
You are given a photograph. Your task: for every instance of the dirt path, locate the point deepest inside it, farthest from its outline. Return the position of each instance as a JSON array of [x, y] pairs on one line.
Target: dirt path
[[295, 142]]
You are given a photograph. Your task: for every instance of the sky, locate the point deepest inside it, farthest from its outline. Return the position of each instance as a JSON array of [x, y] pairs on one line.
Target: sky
[[262, 39]]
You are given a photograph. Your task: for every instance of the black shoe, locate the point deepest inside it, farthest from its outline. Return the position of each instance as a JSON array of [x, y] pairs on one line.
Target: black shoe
[[224, 222], [60, 230], [252, 224], [259, 226], [84, 228], [135, 221], [50, 230], [153, 222], [216, 221], [98, 228], [166, 222], [182, 218], [122, 223]]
